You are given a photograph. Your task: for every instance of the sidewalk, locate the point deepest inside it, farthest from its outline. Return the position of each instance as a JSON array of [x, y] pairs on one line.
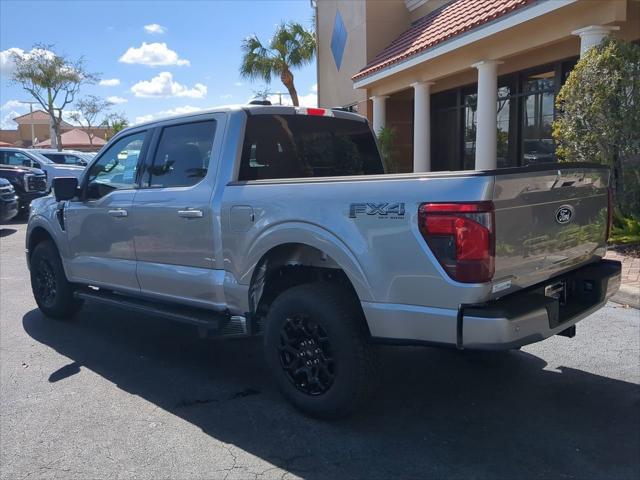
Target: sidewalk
[[629, 293]]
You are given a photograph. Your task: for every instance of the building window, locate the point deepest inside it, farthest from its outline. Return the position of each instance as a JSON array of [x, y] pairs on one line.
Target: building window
[[525, 113], [538, 109]]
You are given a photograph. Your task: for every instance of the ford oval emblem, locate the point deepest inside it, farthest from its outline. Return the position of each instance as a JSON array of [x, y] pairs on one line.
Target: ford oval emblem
[[564, 214]]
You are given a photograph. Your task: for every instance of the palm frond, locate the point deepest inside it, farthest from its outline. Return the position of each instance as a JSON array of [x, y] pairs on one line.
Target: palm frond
[[257, 60]]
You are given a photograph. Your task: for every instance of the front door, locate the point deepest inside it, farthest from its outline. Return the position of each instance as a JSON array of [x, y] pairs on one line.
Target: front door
[[99, 227], [174, 218]]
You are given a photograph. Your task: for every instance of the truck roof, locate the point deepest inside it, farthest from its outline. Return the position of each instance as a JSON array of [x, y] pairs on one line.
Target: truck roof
[[263, 110]]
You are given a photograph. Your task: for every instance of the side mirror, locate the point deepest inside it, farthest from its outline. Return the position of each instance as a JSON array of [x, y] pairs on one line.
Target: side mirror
[[65, 188]]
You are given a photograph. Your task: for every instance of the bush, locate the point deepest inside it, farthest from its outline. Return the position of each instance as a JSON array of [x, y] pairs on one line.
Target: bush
[[625, 229], [387, 142], [599, 117]]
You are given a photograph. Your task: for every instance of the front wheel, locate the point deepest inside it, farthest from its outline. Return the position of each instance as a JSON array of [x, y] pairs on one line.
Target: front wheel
[[316, 347], [51, 290]]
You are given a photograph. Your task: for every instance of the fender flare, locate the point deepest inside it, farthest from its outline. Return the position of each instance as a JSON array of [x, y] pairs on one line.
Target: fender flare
[[313, 236]]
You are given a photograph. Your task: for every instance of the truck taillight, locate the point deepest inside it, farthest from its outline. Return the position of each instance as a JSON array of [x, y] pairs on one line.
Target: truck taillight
[[462, 238], [609, 213]]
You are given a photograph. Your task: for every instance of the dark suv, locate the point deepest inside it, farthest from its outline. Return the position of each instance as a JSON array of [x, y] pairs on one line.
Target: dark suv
[[29, 184], [8, 201]]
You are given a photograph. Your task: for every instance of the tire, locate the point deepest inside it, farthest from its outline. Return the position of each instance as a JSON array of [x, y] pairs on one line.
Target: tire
[[51, 290], [332, 373]]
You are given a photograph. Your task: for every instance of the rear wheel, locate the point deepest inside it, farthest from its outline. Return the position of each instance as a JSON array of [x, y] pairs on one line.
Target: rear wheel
[[51, 290], [316, 346]]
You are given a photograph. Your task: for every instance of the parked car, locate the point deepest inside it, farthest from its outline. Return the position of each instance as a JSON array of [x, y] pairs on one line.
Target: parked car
[[30, 158], [8, 201], [64, 157], [28, 183], [280, 221]]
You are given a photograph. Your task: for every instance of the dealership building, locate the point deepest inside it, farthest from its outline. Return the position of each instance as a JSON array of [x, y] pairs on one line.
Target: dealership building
[[465, 84]]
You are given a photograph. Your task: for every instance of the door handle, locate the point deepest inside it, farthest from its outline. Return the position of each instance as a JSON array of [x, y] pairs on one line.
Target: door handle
[[190, 213], [118, 212]]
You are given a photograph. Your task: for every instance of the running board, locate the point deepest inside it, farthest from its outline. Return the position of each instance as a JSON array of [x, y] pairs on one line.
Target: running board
[[209, 323]]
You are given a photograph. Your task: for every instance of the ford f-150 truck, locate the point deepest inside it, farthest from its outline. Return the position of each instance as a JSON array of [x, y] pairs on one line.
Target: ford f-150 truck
[[28, 183], [281, 222], [31, 158]]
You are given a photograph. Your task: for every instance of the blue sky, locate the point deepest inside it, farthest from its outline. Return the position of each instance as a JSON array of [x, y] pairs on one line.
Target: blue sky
[[186, 58]]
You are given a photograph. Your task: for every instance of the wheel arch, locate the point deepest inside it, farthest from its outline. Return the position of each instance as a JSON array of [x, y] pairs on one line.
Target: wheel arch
[[284, 265]]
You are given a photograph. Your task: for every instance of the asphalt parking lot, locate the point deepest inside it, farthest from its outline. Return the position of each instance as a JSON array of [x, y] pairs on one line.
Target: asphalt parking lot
[[117, 395]]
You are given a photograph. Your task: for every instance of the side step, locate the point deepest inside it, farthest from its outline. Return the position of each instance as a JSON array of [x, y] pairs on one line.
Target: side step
[[208, 322]]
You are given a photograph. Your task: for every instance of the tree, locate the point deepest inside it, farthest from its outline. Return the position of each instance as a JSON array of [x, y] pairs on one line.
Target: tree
[[387, 137], [116, 121], [88, 109], [53, 80], [599, 117], [262, 93], [292, 46]]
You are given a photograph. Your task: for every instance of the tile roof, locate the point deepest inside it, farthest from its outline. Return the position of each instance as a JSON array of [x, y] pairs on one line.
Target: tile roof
[[39, 117], [450, 20], [75, 138]]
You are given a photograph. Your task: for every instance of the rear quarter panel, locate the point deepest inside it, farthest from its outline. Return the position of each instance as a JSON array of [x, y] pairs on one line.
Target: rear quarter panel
[[384, 256]]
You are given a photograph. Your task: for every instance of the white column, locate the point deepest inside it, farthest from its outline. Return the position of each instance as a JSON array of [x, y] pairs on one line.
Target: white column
[[486, 116], [379, 112], [592, 35], [421, 126]]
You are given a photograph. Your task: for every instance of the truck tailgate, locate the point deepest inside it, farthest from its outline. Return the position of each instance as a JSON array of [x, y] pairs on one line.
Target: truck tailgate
[[548, 221]]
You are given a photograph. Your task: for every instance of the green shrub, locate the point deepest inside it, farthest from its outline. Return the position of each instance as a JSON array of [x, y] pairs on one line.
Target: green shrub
[[387, 142], [625, 229], [599, 117]]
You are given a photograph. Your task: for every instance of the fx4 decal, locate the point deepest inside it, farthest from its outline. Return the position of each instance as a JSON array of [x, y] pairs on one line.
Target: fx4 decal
[[382, 210]]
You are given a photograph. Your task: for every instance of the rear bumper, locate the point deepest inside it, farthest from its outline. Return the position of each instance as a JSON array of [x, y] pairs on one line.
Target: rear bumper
[[519, 319]]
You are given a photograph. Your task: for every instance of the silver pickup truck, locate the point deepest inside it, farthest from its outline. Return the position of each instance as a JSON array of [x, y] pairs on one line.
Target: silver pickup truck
[[280, 222]]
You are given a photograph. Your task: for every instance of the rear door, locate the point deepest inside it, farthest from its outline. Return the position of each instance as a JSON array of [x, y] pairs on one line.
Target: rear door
[[175, 221], [548, 221]]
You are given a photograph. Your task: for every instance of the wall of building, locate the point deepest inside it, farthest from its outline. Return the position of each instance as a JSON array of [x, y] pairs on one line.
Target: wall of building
[[371, 25]]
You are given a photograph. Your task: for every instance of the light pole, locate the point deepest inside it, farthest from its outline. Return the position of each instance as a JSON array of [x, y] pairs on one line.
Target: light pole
[[33, 136]]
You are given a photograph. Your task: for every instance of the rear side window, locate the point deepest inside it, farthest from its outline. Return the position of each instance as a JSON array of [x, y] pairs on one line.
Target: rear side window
[[294, 146], [64, 158], [182, 156]]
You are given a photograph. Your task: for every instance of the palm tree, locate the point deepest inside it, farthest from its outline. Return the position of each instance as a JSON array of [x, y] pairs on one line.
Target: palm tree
[[290, 47]]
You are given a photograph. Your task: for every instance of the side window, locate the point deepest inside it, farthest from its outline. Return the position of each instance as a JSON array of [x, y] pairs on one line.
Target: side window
[[182, 156], [116, 168], [15, 158]]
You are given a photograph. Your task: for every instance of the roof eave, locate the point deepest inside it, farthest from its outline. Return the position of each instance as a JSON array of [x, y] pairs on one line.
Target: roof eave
[[503, 23]]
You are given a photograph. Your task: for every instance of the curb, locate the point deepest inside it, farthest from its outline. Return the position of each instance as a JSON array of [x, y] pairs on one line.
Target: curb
[[627, 295]]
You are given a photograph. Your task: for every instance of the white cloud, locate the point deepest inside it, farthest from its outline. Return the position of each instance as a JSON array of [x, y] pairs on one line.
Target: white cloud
[[7, 65], [116, 100], [15, 104], [153, 55], [67, 114], [226, 96], [314, 87], [163, 85], [6, 121], [142, 119], [110, 82], [180, 110], [154, 28], [308, 100], [167, 113]]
